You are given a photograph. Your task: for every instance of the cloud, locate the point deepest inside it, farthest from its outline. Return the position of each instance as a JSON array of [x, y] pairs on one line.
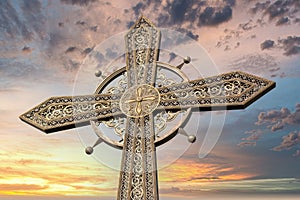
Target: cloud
[[78, 2], [22, 187], [288, 141], [267, 44], [260, 6], [282, 21], [26, 49], [280, 10], [229, 36], [138, 7], [297, 153], [278, 119], [178, 10], [247, 144], [290, 45], [276, 9], [254, 135], [70, 49], [248, 25], [211, 16], [206, 178], [172, 56], [230, 2], [181, 13], [188, 33], [255, 63], [25, 22]]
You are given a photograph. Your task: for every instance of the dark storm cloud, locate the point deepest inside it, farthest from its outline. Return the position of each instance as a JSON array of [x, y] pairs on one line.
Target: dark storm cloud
[[282, 21], [290, 45], [279, 9], [130, 24], [260, 6], [193, 12], [78, 2], [267, 44], [212, 17], [178, 10], [188, 33], [138, 8]]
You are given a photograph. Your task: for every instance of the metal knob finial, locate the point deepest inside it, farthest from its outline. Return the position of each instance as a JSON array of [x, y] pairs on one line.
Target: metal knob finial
[[89, 150], [186, 60], [191, 138], [98, 73]]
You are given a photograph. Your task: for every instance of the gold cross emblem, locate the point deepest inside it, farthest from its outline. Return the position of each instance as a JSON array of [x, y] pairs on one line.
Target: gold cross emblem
[[139, 101]]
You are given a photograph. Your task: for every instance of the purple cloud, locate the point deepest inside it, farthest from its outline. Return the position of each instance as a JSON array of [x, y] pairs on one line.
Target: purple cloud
[[275, 120], [288, 141], [278, 119]]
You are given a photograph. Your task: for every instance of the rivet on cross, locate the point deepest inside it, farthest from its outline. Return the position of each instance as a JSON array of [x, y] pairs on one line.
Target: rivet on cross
[[138, 175]]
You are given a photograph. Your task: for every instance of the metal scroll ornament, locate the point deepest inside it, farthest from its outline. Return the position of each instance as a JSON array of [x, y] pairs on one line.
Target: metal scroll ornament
[[137, 102]]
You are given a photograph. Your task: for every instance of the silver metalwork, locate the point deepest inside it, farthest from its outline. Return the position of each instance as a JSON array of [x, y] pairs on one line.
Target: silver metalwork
[[141, 104]]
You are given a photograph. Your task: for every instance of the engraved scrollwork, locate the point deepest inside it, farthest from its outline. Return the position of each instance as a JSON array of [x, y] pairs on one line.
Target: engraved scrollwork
[[161, 119], [120, 87], [222, 89], [162, 80], [68, 110], [118, 124]]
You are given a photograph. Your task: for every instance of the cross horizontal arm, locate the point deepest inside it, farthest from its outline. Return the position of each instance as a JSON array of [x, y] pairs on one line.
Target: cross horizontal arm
[[234, 90], [65, 112]]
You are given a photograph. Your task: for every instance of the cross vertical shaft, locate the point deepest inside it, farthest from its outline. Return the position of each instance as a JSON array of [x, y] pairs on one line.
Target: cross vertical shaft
[[138, 176]]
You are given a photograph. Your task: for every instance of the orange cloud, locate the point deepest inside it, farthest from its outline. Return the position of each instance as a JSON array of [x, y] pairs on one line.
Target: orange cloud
[[189, 171]]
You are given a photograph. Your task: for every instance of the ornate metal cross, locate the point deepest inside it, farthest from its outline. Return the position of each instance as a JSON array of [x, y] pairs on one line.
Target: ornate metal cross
[[139, 102]]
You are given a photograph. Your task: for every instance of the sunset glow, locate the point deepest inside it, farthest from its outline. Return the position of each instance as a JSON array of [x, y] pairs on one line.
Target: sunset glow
[[44, 44]]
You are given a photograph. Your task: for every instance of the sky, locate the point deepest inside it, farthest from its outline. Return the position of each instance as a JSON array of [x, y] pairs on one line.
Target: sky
[[45, 44]]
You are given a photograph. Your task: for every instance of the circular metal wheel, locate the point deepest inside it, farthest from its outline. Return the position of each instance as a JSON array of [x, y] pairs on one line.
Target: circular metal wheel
[[116, 83]]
